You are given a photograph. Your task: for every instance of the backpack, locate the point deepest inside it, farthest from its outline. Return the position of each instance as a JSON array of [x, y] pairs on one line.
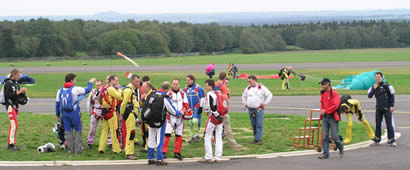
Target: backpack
[[107, 113], [154, 111], [66, 99], [2, 96], [222, 104], [130, 105], [344, 99], [280, 72]]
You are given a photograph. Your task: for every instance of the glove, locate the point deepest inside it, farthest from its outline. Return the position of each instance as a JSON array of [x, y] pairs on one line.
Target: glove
[[178, 113], [199, 110]]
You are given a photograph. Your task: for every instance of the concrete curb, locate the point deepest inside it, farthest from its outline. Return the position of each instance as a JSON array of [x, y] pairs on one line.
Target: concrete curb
[[186, 160]]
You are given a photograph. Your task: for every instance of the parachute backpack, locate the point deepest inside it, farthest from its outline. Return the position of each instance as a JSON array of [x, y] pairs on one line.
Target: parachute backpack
[[154, 111], [107, 113], [66, 100], [222, 104]]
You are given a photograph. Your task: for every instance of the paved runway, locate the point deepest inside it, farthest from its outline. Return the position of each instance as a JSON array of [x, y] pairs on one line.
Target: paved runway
[[144, 68]]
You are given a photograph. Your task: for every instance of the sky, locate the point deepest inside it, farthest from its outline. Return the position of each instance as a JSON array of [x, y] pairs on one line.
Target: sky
[[89, 7]]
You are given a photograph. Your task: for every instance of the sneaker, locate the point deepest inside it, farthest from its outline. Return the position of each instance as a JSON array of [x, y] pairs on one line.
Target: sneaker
[[152, 162], [254, 142], [131, 157], [375, 144], [197, 138], [259, 143], [341, 154], [90, 146], [162, 163], [101, 152], [206, 161], [178, 156], [12, 147], [323, 157], [394, 144]]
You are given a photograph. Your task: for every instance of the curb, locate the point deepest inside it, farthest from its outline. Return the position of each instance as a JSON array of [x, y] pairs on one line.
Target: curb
[[187, 160]]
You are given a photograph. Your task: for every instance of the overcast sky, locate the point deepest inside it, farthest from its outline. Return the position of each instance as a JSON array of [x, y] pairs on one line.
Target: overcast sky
[[84, 7]]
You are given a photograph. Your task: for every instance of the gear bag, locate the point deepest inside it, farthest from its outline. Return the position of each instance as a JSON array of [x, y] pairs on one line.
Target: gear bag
[[2, 96], [154, 111], [222, 104], [130, 106], [107, 113]]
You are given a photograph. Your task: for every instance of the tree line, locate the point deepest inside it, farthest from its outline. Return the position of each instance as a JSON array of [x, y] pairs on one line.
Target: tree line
[[43, 37]]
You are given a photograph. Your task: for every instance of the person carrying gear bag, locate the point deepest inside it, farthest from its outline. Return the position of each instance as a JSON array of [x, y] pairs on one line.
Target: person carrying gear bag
[[154, 113], [284, 75], [109, 97], [350, 107], [255, 97], [128, 113], [67, 105], [11, 96], [216, 107], [94, 111]]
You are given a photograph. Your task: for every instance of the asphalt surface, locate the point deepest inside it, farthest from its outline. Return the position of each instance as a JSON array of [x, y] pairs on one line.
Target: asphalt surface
[[382, 157], [144, 68]]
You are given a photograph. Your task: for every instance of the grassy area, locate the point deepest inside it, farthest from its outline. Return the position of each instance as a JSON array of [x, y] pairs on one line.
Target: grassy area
[[48, 84], [36, 129], [348, 55]]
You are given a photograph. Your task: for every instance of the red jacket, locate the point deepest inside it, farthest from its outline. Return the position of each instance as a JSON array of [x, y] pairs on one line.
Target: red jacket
[[330, 101]]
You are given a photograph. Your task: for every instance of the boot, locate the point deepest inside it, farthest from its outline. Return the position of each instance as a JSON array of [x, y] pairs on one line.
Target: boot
[[179, 156], [12, 147], [70, 141], [78, 142]]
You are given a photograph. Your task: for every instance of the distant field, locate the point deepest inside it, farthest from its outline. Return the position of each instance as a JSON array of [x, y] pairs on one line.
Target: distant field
[[47, 84], [350, 55]]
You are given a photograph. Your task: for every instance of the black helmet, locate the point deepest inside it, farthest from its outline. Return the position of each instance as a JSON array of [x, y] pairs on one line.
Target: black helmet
[[22, 99]]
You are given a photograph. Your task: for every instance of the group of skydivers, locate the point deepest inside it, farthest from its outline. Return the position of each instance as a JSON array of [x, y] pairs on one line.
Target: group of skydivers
[[121, 109]]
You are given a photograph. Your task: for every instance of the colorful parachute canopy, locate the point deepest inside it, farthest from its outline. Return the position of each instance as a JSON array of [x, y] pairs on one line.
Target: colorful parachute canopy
[[24, 79], [362, 81], [244, 76]]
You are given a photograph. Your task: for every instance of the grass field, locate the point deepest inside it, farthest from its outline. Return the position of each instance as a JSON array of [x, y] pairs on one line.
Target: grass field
[[48, 84], [36, 129], [348, 55]]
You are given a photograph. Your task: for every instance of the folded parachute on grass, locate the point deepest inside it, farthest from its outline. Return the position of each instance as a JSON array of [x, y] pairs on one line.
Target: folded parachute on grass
[[24, 79], [362, 81], [245, 76]]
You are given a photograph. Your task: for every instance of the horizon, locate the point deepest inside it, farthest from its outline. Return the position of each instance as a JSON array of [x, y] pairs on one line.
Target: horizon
[[91, 7]]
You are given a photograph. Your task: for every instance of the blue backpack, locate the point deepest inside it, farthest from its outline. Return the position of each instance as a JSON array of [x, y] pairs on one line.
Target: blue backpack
[[66, 100]]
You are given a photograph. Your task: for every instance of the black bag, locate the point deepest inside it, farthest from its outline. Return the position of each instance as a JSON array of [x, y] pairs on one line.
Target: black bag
[[344, 99], [129, 108], [154, 111]]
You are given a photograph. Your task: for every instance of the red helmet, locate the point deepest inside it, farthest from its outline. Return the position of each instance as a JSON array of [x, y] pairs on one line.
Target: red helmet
[[187, 113]]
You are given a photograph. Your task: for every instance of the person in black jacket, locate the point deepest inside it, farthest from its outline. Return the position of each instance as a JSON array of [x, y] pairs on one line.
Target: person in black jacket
[[12, 94], [384, 94]]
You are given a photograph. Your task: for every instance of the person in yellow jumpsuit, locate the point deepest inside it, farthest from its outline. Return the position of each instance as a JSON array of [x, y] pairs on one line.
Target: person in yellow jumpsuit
[[128, 112], [110, 122], [284, 74], [230, 74], [352, 106]]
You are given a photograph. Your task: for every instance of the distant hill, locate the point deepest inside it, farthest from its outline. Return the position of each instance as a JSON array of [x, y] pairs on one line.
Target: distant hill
[[240, 18]]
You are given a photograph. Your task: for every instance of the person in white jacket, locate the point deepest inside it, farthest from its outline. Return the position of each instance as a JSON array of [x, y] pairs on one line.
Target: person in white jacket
[[255, 97], [94, 110], [214, 124]]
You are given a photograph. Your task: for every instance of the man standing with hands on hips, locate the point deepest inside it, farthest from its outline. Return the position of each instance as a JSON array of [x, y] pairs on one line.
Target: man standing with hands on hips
[[255, 97], [329, 104]]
